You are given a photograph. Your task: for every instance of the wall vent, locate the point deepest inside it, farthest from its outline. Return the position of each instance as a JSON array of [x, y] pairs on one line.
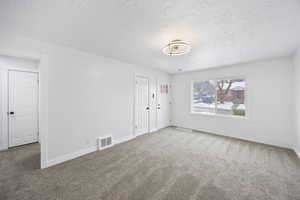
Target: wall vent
[[104, 142]]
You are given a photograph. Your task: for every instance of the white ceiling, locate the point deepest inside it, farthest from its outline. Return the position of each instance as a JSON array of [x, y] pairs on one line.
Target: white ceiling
[[134, 31]]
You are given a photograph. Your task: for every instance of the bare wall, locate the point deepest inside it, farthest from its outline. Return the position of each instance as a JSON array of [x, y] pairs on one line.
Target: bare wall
[[269, 103]]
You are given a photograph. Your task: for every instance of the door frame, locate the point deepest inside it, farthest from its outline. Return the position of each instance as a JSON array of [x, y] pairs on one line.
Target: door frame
[[8, 99], [134, 105], [43, 66], [158, 92]]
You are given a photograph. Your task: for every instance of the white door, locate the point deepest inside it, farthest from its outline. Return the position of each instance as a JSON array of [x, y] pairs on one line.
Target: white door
[[163, 104], [23, 108], [141, 105]]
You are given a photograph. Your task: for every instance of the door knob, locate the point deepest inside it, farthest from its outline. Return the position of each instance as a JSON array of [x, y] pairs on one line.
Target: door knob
[[11, 113], [147, 108]]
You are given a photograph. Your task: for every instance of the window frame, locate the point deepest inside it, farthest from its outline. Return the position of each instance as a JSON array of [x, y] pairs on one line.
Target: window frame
[[246, 116]]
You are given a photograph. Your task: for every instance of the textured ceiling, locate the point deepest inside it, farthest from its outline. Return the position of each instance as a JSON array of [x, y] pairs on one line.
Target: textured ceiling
[[134, 31]]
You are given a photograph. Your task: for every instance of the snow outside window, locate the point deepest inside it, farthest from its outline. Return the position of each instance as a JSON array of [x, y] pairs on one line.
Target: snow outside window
[[222, 96]]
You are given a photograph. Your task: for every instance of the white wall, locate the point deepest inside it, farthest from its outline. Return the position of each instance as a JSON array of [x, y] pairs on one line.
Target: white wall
[[297, 101], [84, 96], [90, 97], [6, 63], [269, 96]]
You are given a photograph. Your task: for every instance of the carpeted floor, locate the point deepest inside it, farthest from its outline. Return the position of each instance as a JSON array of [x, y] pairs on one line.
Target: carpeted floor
[[167, 165]]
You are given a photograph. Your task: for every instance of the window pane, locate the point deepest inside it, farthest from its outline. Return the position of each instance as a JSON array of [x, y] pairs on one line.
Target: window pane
[[231, 97], [204, 96]]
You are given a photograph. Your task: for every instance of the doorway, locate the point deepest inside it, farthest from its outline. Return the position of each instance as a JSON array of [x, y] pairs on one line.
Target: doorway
[[23, 108]]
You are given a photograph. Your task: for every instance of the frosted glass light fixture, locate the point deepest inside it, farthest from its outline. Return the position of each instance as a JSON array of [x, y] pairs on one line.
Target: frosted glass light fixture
[[176, 48]]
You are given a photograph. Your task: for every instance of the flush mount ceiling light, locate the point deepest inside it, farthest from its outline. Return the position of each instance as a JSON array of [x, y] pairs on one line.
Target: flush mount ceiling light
[[176, 48]]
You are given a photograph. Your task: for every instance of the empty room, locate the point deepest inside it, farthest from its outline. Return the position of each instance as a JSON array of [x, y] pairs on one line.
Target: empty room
[[149, 100]]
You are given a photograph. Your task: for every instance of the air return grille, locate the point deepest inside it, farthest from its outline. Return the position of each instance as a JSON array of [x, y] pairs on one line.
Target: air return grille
[[104, 142]]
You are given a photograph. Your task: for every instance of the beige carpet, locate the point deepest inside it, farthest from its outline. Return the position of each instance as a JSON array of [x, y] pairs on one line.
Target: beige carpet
[[169, 164]]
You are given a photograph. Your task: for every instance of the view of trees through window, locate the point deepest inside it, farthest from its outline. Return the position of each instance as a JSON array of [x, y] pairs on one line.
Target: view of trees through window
[[226, 96]]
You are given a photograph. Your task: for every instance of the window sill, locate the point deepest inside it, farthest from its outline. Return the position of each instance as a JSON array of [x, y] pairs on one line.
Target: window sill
[[219, 115]]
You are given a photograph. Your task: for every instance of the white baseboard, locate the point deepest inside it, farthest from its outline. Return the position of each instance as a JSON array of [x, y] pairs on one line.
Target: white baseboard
[[70, 156], [297, 152], [82, 152], [88, 150], [157, 129], [184, 129], [125, 139], [154, 130], [3, 148], [272, 143]]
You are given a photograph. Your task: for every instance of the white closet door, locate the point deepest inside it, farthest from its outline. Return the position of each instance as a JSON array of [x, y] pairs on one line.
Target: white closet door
[[23, 108], [141, 106]]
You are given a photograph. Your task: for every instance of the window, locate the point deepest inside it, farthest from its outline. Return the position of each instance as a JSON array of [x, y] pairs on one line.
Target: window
[[223, 96]]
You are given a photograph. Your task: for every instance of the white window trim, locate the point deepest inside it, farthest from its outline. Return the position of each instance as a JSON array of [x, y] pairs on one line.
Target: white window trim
[[217, 114]]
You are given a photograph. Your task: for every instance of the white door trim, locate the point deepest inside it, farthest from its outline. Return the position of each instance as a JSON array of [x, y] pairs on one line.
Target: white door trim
[[43, 108], [3, 105]]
